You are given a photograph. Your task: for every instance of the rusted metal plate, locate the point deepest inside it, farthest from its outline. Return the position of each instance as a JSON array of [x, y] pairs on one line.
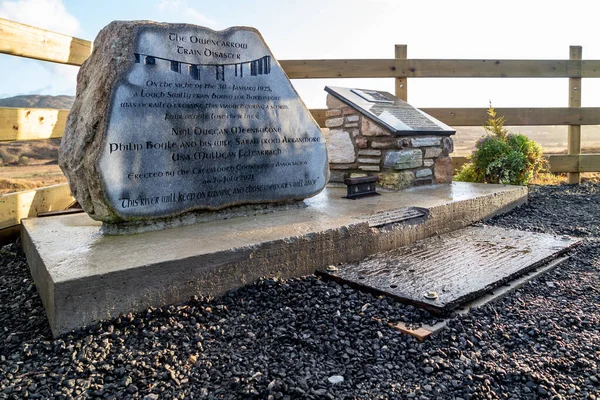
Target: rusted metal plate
[[456, 267]]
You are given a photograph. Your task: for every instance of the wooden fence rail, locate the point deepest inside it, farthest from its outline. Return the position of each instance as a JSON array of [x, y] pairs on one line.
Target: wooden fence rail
[[27, 123]]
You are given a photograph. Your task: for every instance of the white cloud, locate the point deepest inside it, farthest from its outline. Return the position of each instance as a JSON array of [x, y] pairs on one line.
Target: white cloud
[[47, 14], [53, 16], [180, 11]]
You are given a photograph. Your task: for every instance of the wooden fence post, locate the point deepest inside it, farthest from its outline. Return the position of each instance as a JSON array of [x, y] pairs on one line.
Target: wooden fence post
[[574, 140], [401, 88]]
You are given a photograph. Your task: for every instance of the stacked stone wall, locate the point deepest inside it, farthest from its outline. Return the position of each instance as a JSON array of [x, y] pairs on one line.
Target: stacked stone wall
[[357, 145]]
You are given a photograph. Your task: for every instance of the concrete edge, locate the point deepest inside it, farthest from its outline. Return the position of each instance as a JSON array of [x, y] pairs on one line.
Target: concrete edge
[[41, 277]]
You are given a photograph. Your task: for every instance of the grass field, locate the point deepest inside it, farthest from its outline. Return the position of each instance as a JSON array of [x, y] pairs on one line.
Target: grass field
[[552, 138]]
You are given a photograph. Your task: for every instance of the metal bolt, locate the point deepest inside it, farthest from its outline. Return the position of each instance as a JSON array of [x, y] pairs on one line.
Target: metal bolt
[[431, 295]]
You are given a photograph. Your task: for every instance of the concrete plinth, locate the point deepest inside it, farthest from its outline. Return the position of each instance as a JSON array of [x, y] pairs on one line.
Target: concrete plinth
[[83, 276]]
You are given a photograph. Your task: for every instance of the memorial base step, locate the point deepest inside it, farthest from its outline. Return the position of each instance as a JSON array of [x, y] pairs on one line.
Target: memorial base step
[[84, 276]]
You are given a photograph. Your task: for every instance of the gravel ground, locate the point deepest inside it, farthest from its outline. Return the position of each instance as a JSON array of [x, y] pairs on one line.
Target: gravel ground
[[307, 338]]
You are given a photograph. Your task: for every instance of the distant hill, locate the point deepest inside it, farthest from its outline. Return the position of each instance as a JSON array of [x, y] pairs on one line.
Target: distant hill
[[38, 101]]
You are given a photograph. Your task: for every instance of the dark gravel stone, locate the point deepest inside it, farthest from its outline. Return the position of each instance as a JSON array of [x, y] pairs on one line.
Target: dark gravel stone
[[284, 339]]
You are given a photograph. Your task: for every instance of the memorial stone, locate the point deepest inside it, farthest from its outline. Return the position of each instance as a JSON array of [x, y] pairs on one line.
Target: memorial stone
[[172, 118]]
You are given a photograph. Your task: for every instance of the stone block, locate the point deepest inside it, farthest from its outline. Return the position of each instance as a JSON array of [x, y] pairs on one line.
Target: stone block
[[423, 173], [337, 176], [332, 102], [370, 128], [396, 180], [352, 118], [402, 143], [368, 160], [343, 166], [334, 112], [403, 159], [368, 168], [348, 110], [447, 146], [361, 142], [433, 152], [369, 152], [351, 125], [423, 181], [425, 141], [443, 170], [340, 148], [334, 122], [383, 143], [428, 162], [132, 152]]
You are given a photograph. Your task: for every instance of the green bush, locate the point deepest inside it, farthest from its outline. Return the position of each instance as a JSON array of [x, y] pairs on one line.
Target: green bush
[[502, 156]]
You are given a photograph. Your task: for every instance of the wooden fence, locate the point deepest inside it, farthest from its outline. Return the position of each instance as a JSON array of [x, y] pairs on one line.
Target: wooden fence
[[28, 124]]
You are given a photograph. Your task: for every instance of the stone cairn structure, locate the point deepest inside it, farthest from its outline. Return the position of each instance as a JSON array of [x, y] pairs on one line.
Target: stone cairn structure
[[358, 145]]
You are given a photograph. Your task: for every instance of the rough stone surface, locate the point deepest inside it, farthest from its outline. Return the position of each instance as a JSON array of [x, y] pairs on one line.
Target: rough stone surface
[[402, 142], [428, 162], [396, 180], [343, 166], [333, 113], [433, 152], [423, 173], [352, 118], [332, 102], [425, 141], [334, 122], [368, 160], [382, 143], [145, 139], [339, 147], [370, 128], [337, 176], [361, 143], [369, 152], [403, 159], [447, 146], [372, 168], [443, 170]]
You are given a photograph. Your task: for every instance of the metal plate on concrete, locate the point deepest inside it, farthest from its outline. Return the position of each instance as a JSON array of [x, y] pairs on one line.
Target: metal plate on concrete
[[394, 216], [442, 272]]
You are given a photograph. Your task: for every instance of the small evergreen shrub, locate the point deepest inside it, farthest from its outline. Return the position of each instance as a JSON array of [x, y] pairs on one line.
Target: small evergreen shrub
[[502, 156]]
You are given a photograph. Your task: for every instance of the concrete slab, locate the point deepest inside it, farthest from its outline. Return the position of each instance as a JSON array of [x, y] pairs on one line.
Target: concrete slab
[[83, 276]]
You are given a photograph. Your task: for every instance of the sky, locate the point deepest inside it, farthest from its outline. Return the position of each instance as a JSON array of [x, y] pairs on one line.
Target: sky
[[341, 29]]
